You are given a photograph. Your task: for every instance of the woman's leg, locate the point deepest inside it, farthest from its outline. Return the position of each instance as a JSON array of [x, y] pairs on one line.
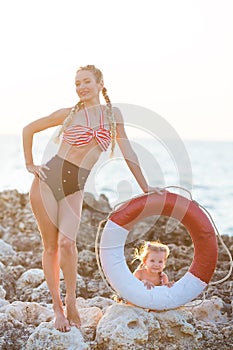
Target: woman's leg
[[45, 207], [69, 216]]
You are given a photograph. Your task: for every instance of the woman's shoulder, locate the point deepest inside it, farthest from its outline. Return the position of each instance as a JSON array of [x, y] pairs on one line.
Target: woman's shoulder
[[60, 114], [117, 114], [63, 112]]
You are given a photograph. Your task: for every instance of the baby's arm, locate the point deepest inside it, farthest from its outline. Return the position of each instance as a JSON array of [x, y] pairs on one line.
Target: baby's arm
[[138, 274], [166, 281]]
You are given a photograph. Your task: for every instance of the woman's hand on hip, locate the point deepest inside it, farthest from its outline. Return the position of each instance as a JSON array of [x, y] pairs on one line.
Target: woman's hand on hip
[[38, 170]]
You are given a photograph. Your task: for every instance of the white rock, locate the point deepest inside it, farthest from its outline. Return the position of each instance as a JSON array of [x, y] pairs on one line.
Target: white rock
[[21, 225], [2, 292], [38, 293], [29, 313], [6, 249], [100, 302], [3, 302], [128, 327], [121, 327], [30, 278], [47, 337], [90, 316], [210, 311]]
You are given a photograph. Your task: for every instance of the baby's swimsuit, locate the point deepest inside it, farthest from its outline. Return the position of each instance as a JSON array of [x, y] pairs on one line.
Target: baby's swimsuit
[[64, 177]]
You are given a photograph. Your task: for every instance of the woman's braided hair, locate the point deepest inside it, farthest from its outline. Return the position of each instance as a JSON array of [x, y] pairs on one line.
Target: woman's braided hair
[[109, 111]]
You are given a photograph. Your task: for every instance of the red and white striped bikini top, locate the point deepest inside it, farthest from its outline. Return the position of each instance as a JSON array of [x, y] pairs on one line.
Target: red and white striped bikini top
[[79, 135]]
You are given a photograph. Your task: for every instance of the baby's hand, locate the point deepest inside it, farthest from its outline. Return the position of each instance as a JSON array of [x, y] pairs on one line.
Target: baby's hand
[[148, 284], [169, 284]]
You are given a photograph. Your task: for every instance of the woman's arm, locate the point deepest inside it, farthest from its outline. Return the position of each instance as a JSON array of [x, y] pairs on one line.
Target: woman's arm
[[129, 154], [38, 125]]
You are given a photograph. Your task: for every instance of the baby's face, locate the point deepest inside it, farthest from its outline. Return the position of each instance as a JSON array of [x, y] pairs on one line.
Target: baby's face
[[155, 262]]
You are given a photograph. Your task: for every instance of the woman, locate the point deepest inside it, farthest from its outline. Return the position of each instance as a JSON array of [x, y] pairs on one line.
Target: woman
[[56, 194]]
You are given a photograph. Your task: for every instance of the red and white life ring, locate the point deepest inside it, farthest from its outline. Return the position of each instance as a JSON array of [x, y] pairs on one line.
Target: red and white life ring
[[113, 260]]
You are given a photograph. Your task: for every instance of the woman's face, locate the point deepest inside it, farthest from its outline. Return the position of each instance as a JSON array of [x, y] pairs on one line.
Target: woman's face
[[86, 86]]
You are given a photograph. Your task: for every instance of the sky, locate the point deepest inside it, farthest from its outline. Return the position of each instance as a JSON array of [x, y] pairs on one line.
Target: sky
[[172, 57]]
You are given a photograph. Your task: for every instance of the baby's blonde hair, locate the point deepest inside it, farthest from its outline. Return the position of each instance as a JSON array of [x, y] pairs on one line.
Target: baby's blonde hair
[[148, 247], [110, 115]]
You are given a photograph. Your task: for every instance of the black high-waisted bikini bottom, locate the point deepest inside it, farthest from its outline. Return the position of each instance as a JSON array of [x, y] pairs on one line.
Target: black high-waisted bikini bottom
[[64, 178]]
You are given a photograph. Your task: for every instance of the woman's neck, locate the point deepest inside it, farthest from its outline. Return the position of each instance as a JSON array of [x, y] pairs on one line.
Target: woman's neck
[[92, 103]]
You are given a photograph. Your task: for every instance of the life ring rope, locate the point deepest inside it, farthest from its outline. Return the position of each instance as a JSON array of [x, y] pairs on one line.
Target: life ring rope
[[105, 280]]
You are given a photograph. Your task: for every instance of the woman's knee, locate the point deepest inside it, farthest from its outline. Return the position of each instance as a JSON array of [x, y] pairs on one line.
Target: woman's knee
[[66, 244], [51, 249]]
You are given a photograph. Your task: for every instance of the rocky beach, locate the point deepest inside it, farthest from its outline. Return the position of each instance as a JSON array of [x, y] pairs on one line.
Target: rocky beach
[[25, 305]]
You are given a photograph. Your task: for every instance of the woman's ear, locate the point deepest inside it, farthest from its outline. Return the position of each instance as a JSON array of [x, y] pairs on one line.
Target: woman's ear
[[101, 85]]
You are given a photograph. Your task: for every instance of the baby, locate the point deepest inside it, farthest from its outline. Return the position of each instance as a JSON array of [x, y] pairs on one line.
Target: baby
[[153, 257]]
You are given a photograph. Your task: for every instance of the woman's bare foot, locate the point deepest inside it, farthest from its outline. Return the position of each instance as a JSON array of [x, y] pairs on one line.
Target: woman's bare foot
[[61, 323], [72, 313]]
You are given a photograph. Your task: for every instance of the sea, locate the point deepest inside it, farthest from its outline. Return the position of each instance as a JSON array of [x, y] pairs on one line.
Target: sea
[[201, 170]]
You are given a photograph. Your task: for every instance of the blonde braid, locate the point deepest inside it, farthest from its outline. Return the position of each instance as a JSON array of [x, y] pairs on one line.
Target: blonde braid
[[111, 119], [68, 120], [110, 115]]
